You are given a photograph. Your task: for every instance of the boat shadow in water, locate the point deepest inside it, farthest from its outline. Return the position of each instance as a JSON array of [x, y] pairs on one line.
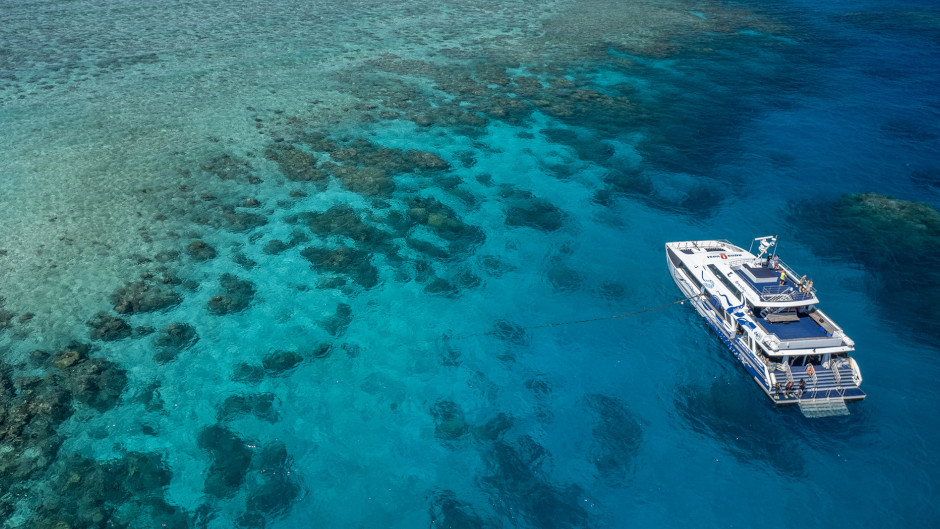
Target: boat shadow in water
[[729, 412]]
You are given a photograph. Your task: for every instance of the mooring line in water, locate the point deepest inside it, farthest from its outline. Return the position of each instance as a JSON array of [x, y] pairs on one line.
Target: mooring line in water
[[558, 324], [614, 317]]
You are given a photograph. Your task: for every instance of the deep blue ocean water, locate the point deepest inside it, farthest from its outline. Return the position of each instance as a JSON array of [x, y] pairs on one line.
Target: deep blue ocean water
[[268, 264]]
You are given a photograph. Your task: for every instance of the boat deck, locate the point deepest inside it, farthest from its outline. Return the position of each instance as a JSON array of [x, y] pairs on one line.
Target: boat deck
[[828, 384], [804, 327], [765, 282]]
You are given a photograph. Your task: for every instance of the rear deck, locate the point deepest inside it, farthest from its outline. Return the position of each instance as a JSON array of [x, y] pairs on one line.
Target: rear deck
[[824, 383]]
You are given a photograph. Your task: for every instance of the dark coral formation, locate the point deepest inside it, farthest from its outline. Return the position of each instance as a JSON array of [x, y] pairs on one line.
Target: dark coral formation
[[238, 294], [515, 475], [200, 251], [122, 492], [141, 296], [82, 493], [228, 167], [109, 328], [447, 511], [617, 438], [356, 264], [443, 221], [341, 319], [449, 421], [230, 460], [280, 362], [296, 165], [511, 333], [896, 241], [342, 220], [174, 339], [260, 405], [268, 476]]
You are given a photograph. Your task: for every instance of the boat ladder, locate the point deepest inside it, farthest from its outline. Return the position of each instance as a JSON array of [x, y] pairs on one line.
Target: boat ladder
[[823, 407]]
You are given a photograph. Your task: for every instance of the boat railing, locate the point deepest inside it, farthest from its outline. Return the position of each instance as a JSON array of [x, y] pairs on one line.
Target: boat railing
[[796, 278], [788, 371], [783, 293], [838, 378], [703, 244]]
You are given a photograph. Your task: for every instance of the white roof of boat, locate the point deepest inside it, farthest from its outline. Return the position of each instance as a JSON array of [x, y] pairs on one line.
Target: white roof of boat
[[742, 272]]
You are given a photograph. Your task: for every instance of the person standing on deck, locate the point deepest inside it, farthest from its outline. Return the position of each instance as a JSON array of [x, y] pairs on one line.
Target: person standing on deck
[[783, 277], [776, 262]]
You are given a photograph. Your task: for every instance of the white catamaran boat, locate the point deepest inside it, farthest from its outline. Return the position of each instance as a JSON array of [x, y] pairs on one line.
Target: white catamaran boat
[[767, 316]]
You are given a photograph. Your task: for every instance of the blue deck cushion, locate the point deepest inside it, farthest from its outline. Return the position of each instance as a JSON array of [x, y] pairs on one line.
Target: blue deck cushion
[[804, 328]]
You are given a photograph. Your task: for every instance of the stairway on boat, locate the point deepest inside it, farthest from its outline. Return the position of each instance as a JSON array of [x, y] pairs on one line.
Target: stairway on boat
[[824, 396]]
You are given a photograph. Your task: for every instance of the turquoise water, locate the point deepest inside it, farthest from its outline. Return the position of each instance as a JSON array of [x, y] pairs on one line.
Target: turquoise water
[[278, 265]]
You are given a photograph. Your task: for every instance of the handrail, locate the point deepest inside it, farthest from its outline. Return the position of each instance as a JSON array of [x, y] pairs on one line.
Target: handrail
[[835, 373], [702, 244], [796, 277], [769, 292]]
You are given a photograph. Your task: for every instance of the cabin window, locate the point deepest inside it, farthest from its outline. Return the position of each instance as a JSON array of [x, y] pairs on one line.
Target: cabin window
[[674, 258]]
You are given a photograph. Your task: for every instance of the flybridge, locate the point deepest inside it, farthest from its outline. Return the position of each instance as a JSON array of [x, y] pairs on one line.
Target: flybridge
[[767, 316]]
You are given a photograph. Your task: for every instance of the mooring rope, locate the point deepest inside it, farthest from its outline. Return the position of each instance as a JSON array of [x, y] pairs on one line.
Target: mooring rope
[[573, 322], [683, 300]]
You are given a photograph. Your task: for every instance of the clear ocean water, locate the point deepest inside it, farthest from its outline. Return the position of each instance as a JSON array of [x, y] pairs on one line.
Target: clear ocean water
[[274, 264]]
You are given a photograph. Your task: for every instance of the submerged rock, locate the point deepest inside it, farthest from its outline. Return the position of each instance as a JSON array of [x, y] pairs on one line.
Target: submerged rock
[[516, 475], [238, 221], [443, 221], [537, 213], [511, 333], [95, 382], [275, 246], [318, 142]]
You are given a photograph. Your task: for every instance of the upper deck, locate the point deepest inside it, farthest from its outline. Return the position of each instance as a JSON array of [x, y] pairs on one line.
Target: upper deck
[[764, 281], [743, 273]]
